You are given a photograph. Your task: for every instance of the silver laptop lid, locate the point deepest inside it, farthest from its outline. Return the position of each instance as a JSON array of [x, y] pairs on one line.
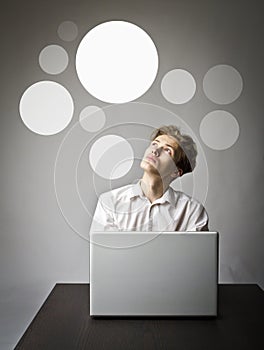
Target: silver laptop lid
[[152, 274]]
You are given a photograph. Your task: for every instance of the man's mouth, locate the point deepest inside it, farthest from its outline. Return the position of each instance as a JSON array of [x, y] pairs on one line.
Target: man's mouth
[[152, 159]]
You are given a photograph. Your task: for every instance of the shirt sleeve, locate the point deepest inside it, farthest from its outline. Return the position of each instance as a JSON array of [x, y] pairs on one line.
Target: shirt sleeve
[[103, 219], [202, 220], [197, 217]]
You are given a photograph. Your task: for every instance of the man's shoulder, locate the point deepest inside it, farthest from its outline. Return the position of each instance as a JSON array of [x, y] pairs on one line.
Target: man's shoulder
[[184, 198], [118, 193]]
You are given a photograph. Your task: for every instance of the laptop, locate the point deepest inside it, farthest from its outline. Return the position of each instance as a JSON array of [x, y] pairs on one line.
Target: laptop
[[153, 274]]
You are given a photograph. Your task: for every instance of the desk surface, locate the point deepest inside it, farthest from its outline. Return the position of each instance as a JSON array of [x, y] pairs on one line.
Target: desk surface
[[63, 322]]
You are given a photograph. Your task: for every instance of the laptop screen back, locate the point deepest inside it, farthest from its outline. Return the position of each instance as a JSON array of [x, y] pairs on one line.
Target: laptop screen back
[[151, 274]]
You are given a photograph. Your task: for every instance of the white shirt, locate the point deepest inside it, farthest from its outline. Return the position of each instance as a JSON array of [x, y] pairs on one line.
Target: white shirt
[[128, 209]]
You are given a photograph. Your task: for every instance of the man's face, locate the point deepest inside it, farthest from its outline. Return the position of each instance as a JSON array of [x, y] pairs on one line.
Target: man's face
[[159, 156]]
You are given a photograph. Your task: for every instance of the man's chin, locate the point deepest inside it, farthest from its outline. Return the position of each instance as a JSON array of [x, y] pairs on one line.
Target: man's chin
[[148, 166], [145, 163]]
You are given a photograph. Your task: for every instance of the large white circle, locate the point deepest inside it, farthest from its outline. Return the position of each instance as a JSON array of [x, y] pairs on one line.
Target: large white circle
[[117, 62], [178, 86], [219, 130], [92, 118], [111, 157], [46, 107], [222, 84], [53, 59]]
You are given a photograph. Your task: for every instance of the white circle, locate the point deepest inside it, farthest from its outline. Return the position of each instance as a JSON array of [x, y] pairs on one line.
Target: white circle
[[53, 59], [222, 84], [219, 130], [46, 107], [92, 118], [111, 157], [68, 31], [178, 86], [117, 62]]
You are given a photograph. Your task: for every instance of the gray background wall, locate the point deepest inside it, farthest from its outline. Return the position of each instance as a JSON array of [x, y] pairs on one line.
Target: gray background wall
[[38, 248]]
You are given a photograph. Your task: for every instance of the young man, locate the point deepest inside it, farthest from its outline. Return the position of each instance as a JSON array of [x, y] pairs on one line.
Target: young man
[[151, 204]]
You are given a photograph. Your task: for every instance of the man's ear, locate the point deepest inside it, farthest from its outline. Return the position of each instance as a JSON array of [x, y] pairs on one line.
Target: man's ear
[[180, 172], [177, 173]]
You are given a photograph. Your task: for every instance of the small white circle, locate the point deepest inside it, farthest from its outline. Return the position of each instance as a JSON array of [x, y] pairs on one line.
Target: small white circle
[[46, 107], [219, 130], [178, 86], [68, 31], [92, 118], [53, 59], [111, 157], [117, 62], [222, 84]]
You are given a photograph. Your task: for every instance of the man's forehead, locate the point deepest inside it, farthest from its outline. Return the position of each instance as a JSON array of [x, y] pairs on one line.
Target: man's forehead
[[168, 140]]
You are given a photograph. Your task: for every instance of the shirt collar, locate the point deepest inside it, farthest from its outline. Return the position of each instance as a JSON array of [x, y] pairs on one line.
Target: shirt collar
[[167, 197], [136, 191]]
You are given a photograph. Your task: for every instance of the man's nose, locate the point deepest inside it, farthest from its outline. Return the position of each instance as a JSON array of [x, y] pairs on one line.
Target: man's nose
[[156, 151]]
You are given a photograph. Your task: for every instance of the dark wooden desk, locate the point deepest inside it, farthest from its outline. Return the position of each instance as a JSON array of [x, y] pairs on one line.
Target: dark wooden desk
[[63, 322]]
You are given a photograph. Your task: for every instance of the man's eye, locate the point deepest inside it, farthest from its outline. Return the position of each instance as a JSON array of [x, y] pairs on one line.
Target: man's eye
[[154, 143], [168, 151]]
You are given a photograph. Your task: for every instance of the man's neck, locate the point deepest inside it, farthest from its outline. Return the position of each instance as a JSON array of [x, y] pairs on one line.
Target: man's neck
[[153, 187]]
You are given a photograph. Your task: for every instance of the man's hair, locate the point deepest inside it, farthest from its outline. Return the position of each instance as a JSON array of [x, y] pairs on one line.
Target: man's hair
[[185, 156]]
